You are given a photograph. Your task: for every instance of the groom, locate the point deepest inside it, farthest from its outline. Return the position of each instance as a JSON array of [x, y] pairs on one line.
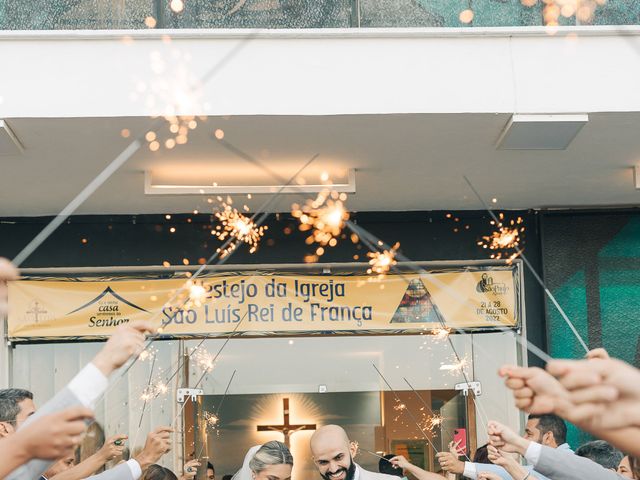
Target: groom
[[333, 455]]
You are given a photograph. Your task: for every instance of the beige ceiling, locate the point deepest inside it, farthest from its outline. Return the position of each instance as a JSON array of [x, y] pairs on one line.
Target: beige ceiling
[[403, 162]]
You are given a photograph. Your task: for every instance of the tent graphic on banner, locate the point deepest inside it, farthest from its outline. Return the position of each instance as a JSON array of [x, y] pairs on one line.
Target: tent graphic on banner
[[416, 306]]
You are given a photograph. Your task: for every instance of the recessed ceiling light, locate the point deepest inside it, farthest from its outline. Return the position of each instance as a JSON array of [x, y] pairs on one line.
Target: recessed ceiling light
[[541, 131]]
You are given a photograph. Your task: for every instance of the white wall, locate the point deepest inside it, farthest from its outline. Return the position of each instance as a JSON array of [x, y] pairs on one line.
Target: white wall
[[78, 74]]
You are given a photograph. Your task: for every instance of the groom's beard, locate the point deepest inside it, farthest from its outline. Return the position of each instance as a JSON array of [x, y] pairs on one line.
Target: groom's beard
[[351, 471]]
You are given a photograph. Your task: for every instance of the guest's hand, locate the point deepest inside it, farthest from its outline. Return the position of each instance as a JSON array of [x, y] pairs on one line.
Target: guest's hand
[[488, 476], [450, 463], [126, 341], [605, 393], [498, 457], [191, 469], [534, 390], [503, 438], [456, 449], [54, 436], [158, 443], [110, 449], [600, 353], [400, 461]]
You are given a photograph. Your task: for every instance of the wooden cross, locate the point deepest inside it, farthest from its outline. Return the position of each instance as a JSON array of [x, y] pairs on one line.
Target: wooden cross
[[36, 310], [286, 428]]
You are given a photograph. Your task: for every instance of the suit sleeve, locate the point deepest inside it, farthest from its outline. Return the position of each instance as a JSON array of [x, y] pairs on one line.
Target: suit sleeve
[[85, 388], [34, 468], [486, 467], [564, 465]]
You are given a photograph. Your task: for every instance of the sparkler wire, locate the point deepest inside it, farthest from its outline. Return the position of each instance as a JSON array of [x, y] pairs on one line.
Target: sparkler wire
[[263, 217], [117, 162], [226, 390], [206, 371], [424, 402], [533, 271], [144, 406], [406, 409]]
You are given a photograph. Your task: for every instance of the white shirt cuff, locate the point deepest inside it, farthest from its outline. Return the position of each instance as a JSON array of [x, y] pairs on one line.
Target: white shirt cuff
[[532, 455], [136, 471], [88, 385], [470, 470]]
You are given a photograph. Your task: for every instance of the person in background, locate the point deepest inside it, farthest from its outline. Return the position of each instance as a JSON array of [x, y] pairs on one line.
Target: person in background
[[601, 452], [156, 472]]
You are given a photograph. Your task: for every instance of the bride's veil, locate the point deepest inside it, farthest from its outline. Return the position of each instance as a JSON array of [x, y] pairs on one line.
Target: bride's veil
[[245, 472]]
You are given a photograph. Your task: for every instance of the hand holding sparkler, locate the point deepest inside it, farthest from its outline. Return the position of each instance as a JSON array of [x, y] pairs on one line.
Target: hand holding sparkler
[[503, 438], [508, 462], [158, 443], [534, 390], [401, 462], [456, 449], [502, 458], [450, 462], [605, 394], [191, 469], [600, 353], [127, 340], [112, 448], [488, 476]]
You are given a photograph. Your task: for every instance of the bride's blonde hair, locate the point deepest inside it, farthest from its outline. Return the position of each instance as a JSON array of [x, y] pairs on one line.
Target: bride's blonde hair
[[271, 453]]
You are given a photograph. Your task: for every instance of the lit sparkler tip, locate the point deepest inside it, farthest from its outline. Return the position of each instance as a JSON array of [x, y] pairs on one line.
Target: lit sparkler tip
[[381, 262], [441, 333], [235, 224], [457, 367], [325, 216]]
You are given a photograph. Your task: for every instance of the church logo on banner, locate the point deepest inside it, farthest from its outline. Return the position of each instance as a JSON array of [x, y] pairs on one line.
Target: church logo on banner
[[106, 311], [488, 285]]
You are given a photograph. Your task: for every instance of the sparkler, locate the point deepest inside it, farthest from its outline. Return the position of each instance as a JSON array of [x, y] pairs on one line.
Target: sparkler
[[360, 449], [197, 292], [381, 262], [505, 241], [211, 420], [530, 346], [441, 333], [325, 217], [415, 420], [237, 226], [459, 366], [203, 359]]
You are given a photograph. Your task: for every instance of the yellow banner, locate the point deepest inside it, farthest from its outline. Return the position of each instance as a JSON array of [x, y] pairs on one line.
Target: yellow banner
[[262, 304]]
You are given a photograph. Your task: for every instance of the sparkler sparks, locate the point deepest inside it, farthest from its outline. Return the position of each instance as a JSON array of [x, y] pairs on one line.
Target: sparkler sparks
[[457, 367], [325, 217], [154, 390], [148, 354], [203, 359], [381, 262], [197, 292], [238, 226], [211, 420], [505, 241], [441, 333]]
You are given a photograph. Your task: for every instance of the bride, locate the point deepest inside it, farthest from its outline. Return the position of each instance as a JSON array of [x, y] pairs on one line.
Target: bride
[[271, 461]]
